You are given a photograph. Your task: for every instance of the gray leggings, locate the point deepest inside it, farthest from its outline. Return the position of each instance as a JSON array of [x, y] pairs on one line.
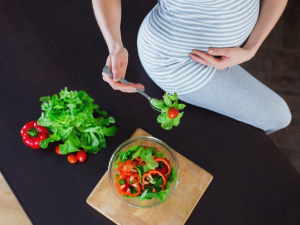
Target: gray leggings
[[235, 93]]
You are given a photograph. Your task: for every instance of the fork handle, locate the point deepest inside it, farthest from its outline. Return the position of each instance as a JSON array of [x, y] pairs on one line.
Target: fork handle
[[106, 70]]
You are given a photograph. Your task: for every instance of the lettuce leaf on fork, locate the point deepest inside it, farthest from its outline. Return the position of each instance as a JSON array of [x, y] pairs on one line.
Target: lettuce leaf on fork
[[164, 105]]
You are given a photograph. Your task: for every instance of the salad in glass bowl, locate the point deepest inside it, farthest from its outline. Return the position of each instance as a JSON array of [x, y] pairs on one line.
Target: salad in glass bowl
[[144, 172]]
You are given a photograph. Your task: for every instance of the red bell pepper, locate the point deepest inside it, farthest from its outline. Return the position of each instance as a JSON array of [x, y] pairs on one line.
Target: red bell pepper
[[132, 180], [148, 176], [140, 162], [166, 170], [127, 166], [33, 134]]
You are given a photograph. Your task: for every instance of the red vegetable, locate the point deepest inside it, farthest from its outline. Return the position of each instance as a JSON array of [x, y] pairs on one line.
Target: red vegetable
[[57, 150], [128, 166], [140, 162], [124, 189], [148, 176], [173, 113], [72, 158], [33, 134], [166, 170], [131, 180], [81, 156]]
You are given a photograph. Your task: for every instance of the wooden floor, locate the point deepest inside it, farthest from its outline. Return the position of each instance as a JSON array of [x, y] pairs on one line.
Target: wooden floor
[[11, 213]]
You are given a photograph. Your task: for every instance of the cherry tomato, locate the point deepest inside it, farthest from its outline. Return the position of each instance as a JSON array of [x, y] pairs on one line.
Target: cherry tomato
[[173, 113], [57, 150], [72, 158], [81, 156]]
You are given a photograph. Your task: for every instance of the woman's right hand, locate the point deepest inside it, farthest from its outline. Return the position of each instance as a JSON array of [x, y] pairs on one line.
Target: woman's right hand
[[117, 61]]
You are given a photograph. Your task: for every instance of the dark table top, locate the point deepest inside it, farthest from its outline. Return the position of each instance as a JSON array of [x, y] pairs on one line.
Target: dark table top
[[47, 45]]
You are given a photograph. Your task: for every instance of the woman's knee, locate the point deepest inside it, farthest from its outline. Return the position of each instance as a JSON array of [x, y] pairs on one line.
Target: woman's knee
[[282, 116]]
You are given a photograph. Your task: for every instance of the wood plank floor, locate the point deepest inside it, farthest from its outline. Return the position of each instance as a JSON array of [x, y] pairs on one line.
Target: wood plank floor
[[11, 213]]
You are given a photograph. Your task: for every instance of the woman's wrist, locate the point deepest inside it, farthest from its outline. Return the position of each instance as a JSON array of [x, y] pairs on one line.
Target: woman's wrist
[[250, 51], [115, 47]]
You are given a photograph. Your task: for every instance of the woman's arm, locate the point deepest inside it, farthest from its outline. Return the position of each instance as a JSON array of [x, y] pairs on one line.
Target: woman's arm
[[270, 12], [108, 15]]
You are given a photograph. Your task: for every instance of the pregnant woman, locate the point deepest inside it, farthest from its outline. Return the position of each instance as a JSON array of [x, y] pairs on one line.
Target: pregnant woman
[[193, 47]]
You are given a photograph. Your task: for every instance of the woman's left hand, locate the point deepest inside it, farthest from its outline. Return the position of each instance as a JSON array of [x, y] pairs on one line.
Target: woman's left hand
[[226, 57]]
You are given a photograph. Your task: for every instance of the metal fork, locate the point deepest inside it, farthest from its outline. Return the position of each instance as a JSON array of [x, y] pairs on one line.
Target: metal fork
[[107, 71]]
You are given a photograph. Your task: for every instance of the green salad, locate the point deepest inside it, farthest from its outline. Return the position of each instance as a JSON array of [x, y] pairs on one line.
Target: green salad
[[169, 108], [144, 173], [69, 117]]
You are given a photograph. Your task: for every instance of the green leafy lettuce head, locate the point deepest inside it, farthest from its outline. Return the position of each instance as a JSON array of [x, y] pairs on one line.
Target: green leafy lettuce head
[[70, 117]]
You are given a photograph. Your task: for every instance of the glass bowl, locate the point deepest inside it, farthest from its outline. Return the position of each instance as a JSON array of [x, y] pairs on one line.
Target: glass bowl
[[143, 141]]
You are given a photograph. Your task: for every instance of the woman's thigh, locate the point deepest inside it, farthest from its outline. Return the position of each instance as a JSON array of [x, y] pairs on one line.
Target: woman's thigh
[[237, 94]]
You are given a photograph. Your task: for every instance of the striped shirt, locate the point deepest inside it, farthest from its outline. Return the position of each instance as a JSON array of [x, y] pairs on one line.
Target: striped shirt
[[173, 28]]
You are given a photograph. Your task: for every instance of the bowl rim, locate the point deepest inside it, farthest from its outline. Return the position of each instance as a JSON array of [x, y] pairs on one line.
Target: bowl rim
[[114, 156]]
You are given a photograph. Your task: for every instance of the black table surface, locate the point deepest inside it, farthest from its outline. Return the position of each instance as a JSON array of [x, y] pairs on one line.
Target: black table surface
[[47, 45]]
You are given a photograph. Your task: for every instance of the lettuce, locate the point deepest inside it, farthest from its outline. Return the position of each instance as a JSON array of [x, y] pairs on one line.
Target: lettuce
[[160, 195], [70, 117], [164, 105], [147, 156]]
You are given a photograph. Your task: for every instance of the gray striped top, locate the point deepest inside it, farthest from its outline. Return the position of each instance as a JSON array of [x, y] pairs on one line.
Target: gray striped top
[[174, 28]]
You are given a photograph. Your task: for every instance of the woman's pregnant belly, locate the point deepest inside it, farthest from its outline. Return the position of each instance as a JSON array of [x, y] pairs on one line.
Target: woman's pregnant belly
[[175, 27]]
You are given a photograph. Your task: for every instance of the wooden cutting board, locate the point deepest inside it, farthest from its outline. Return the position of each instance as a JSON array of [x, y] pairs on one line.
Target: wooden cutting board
[[193, 182]]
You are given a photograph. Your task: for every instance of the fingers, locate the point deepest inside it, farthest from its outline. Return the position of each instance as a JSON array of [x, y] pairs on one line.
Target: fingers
[[208, 58], [130, 88], [218, 51], [198, 59], [118, 69]]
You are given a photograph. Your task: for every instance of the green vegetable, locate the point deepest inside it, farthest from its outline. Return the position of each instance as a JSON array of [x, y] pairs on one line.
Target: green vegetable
[[128, 155], [139, 169], [147, 156], [120, 182], [159, 154], [70, 118], [153, 189], [159, 195], [164, 105]]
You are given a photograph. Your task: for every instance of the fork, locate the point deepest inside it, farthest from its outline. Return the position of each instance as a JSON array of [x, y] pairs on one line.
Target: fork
[[107, 71]]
